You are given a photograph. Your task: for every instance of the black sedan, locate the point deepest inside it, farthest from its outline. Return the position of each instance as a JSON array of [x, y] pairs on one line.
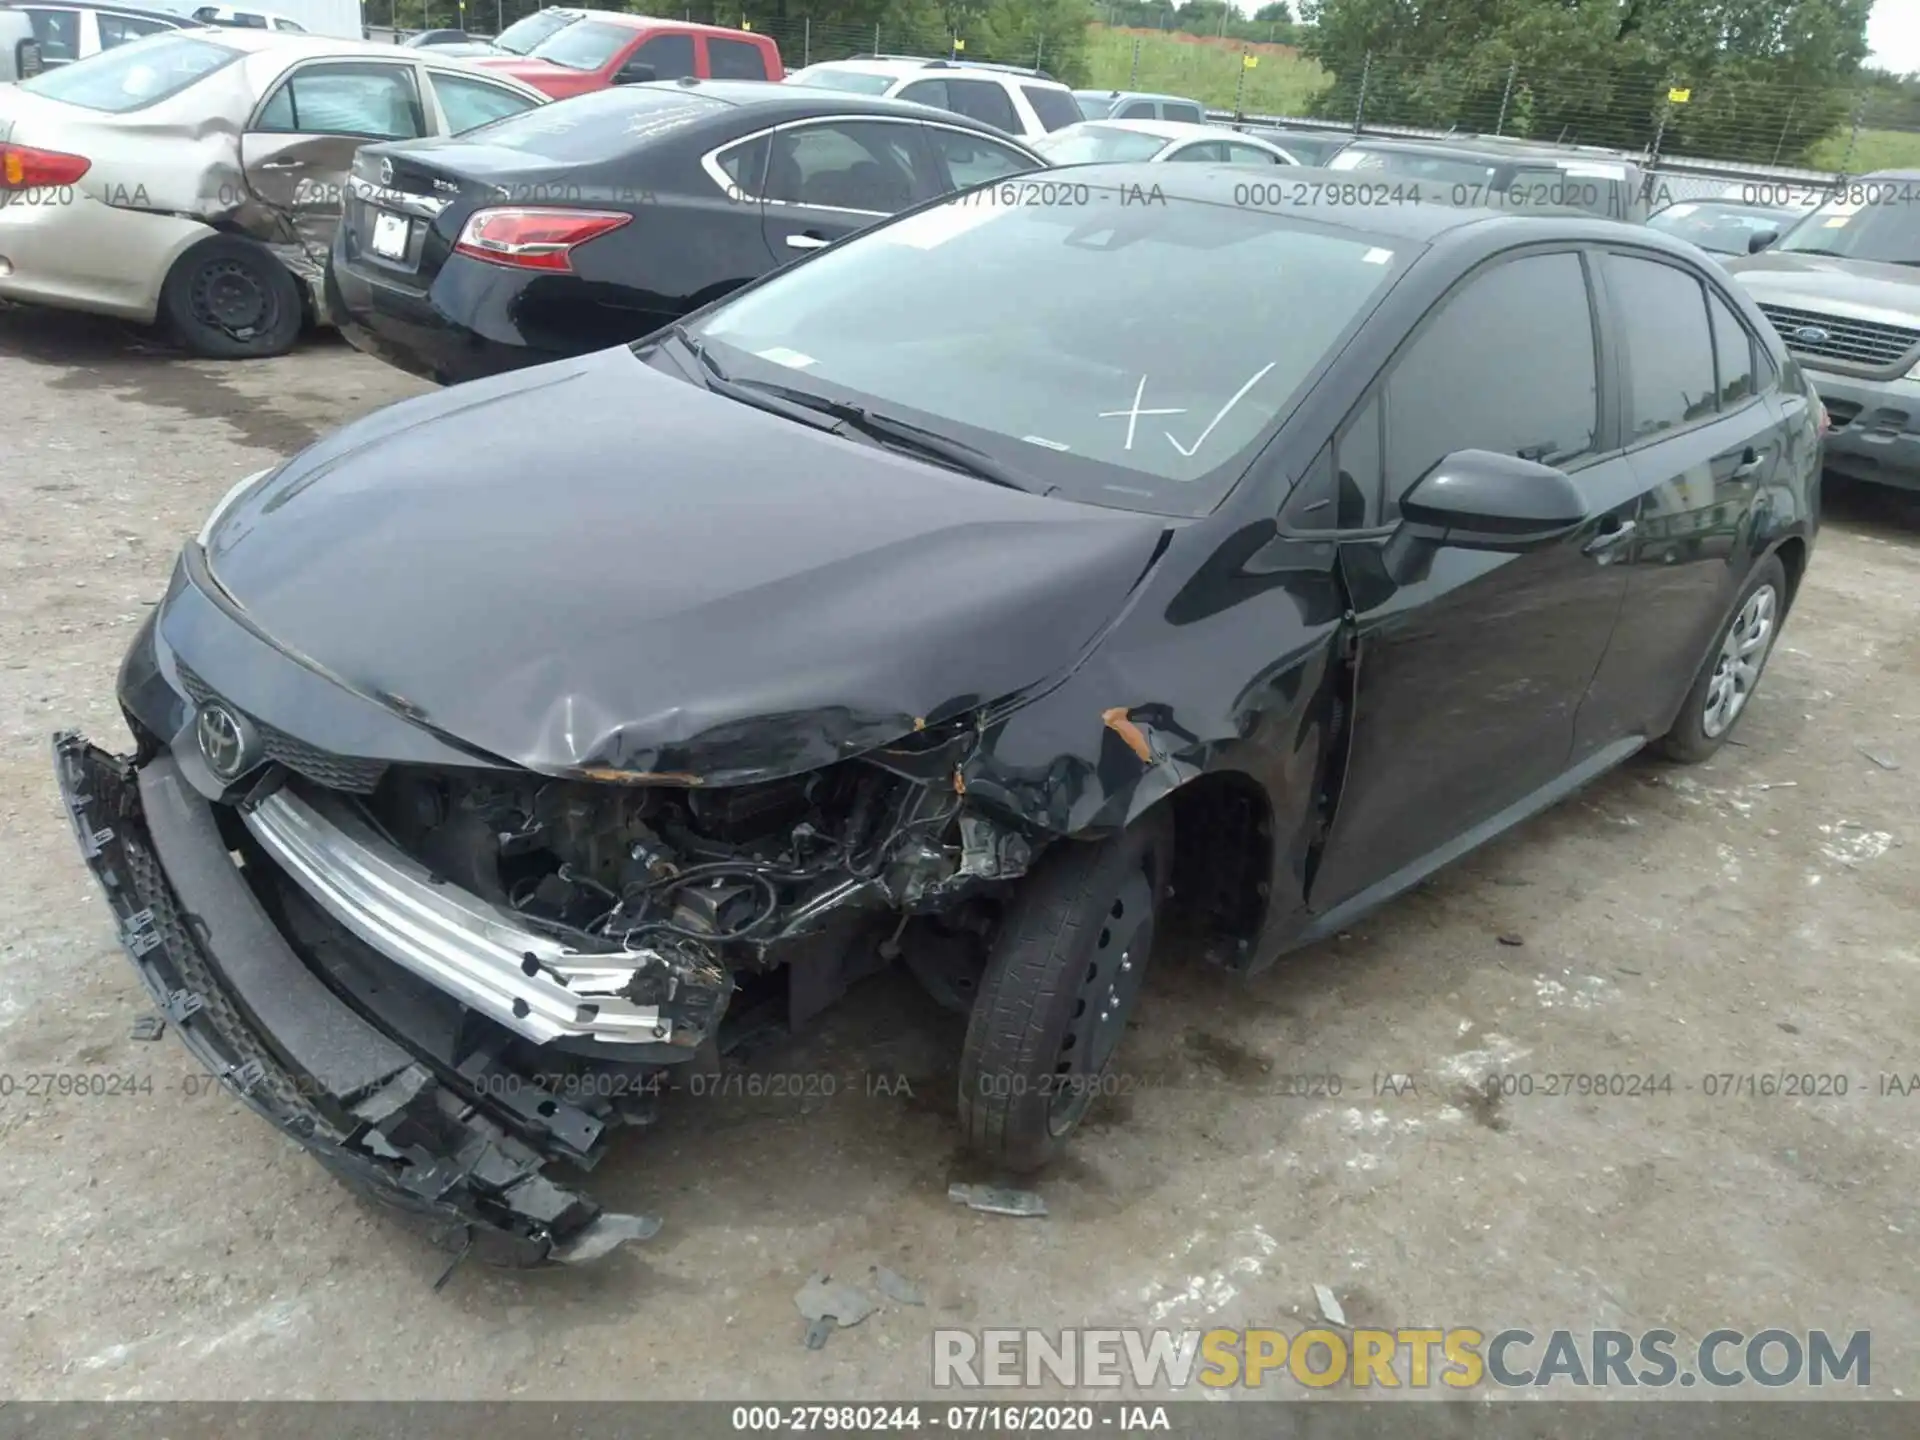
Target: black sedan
[[999, 592], [612, 214]]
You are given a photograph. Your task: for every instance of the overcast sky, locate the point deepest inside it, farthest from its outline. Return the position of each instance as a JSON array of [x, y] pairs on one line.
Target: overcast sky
[[1893, 30]]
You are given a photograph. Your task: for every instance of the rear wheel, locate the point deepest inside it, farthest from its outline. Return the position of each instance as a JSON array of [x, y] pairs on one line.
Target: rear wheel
[[1062, 979], [228, 298], [1732, 672]]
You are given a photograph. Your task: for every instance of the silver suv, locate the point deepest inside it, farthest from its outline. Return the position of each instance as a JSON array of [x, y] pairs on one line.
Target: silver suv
[[1843, 289]]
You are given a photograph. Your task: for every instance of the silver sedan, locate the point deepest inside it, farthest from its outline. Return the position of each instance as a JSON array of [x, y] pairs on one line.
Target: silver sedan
[[194, 178]]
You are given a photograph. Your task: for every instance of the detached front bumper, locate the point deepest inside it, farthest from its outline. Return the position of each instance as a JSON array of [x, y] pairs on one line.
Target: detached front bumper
[[260, 1020], [1876, 428]]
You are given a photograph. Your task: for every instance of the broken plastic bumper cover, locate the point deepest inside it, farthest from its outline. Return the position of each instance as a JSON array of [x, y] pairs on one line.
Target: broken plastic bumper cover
[[255, 1016], [489, 958]]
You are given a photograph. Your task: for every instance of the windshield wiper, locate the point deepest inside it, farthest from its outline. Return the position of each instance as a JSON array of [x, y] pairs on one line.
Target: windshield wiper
[[760, 397], [903, 435]]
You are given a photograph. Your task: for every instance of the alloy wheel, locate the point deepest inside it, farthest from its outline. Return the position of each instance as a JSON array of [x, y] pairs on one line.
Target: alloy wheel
[[1737, 668]]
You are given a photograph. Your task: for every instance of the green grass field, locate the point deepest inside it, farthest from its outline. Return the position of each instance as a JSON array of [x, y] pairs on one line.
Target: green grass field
[[1872, 150], [1280, 83]]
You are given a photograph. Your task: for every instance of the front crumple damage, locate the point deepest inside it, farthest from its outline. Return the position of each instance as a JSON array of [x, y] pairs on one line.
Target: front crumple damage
[[369, 1109]]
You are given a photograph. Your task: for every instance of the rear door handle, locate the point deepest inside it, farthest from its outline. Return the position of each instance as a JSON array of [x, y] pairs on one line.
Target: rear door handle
[[1750, 462], [807, 242], [283, 164], [1607, 539]]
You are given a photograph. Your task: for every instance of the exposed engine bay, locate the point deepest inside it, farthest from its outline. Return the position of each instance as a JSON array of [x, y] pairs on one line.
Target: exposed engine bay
[[699, 889]]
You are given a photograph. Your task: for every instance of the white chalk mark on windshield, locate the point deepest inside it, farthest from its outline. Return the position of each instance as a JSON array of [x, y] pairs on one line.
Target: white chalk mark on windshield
[[1238, 396], [1133, 415]]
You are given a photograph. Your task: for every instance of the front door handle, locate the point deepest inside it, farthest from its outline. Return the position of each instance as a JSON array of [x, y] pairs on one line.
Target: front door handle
[[808, 242], [1750, 462], [1606, 540], [282, 164]]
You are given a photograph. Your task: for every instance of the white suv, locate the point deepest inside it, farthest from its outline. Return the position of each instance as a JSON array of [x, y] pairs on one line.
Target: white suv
[[1027, 103]]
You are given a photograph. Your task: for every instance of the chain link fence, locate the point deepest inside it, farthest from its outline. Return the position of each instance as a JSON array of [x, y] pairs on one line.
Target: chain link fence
[[1697, 137]]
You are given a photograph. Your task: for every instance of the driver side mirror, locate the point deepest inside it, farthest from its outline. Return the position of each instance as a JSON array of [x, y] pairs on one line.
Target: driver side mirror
[[636, 73], [1760, 240], [1480, 500]]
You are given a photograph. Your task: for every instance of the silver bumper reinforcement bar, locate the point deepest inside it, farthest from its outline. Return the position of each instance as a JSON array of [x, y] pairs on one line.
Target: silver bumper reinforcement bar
[[487, 957]]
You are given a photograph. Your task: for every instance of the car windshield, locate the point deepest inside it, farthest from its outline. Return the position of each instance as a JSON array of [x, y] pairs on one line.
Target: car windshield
[[998, 327], [587, 45], [1876, 220], [1723, 229], [859, 82], [521, 36], [1086, 144], [1441, 169], [130, 76]]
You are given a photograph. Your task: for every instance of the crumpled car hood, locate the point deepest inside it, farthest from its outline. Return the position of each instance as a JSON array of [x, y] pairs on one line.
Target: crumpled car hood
[[592, 566]]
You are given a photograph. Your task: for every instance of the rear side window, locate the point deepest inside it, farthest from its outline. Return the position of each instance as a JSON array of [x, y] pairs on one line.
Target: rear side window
[[735, 59], [246, 20], [927, 92], [846, 165], [984, 101], [1732, 354], [602, 125], [1507, 365], [1055, 108], [1135, 110], [1179, 110], [471, 103], [1663, 322], [372, 100], [117, 81]]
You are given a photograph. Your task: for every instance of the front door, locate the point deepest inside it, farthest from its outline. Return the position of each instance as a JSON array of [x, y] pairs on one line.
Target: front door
[[829, 178], [1469, 678]]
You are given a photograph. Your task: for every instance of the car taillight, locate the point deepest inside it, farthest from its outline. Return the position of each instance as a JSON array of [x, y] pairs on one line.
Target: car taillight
[[532, 238], [24, 168]]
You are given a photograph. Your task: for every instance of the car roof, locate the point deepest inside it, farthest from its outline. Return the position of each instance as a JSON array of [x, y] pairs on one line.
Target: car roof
[[1161, 129], [805, 100]]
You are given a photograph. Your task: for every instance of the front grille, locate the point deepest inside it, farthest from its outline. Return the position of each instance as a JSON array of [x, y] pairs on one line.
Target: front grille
[[1866, 343], [322, 767]]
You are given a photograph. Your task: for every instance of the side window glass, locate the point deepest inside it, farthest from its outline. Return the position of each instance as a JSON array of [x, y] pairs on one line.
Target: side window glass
[[1190, 113], [1357, 469], [927, 92], [671, 56], [851, 165], [984, 101], [1206, 152], [1507, 365], [470, 104], [745, 167], [1250, 155], [119, 29], [973, 159], [375, 101], [735, 59], [1669, 345], [58, 32], [1136, 110], [1733, 355]]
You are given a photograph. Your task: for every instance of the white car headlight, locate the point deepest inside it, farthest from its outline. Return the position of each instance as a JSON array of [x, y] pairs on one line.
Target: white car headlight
[[226, 503]]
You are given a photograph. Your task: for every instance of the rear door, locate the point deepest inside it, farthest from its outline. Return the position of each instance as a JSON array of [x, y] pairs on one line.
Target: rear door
[[300, 145], [734, 59], [1706, 430], [829, 178], [1469, 677]]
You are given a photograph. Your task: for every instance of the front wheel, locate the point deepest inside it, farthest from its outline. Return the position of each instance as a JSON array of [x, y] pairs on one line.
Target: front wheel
[[1061, 981], [1727, 681]]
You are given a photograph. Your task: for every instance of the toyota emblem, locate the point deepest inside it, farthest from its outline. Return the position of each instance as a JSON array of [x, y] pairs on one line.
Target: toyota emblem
[[223, 740]]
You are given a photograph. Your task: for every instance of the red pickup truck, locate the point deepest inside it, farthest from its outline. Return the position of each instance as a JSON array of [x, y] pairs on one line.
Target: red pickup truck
[[605, 47]]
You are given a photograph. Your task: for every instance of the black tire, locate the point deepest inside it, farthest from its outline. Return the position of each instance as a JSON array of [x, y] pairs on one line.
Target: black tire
[[228, 298], [1694, 737], [1077, 935]]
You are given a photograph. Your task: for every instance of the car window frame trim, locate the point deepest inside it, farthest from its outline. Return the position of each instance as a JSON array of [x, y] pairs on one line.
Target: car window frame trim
[[285, 78], [738, 194]]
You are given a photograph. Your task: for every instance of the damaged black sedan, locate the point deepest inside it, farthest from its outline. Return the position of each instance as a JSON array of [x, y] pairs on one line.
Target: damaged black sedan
[[992, 594]]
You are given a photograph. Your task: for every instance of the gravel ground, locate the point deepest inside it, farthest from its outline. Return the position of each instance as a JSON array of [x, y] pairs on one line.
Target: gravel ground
[[1752, 916]]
